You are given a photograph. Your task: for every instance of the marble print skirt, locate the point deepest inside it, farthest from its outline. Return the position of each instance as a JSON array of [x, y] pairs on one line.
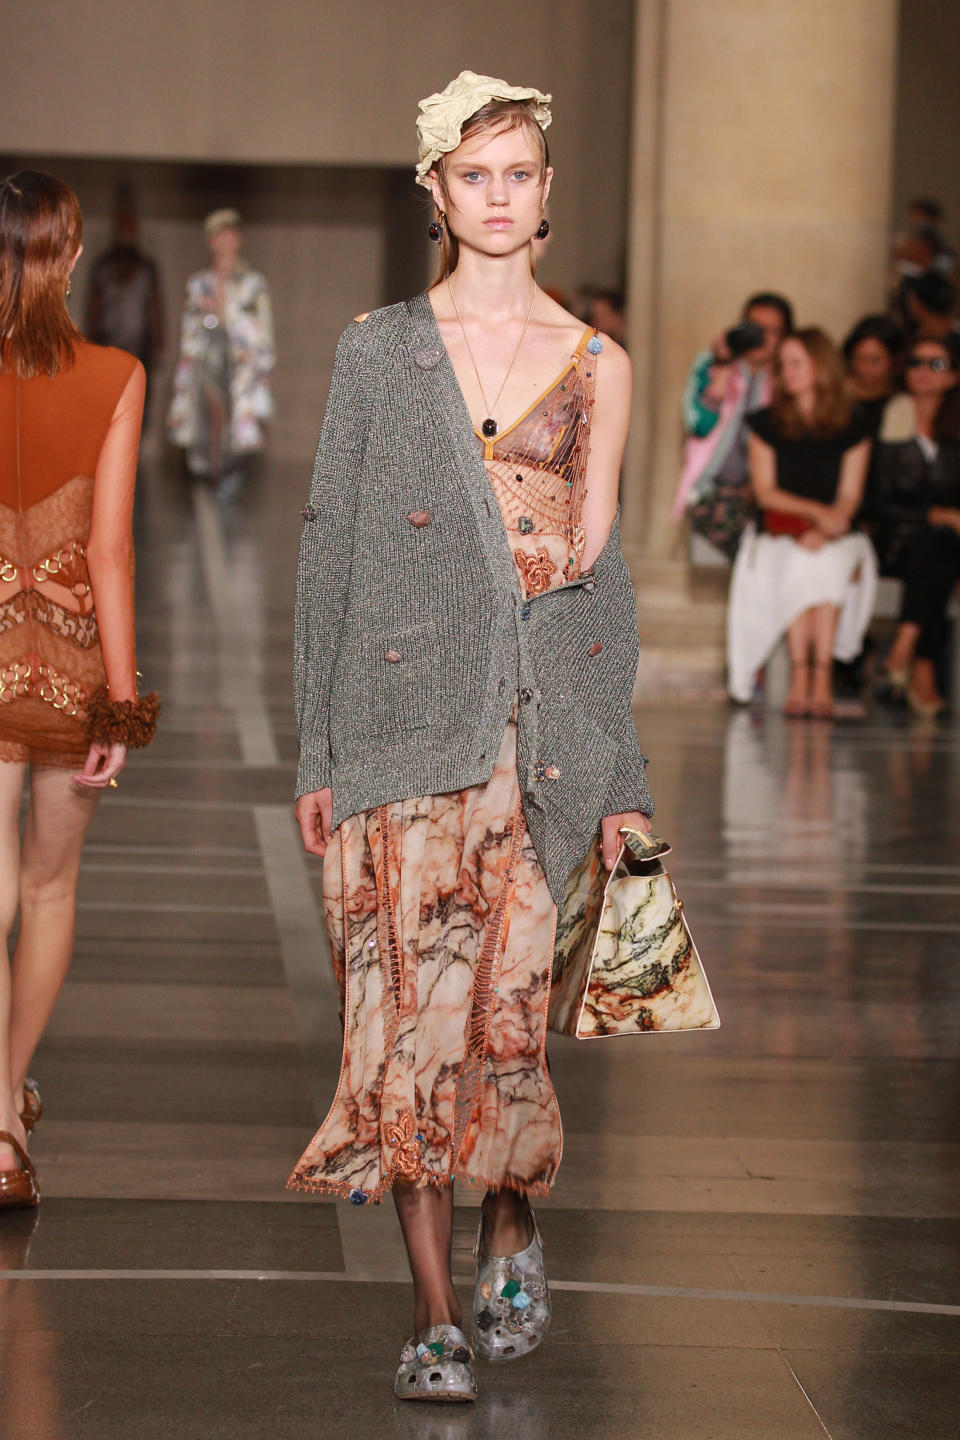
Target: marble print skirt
[[442, 929]]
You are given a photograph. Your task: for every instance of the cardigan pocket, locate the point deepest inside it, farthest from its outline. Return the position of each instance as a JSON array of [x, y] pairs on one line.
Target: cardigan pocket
[[400, 676]]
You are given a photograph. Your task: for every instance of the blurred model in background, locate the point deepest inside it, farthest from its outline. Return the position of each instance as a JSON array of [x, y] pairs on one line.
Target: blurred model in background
[[222, 397], [124, 303]]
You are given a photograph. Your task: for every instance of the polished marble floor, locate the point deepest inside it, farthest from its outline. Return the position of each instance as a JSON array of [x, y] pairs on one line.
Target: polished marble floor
[[755, 1234]]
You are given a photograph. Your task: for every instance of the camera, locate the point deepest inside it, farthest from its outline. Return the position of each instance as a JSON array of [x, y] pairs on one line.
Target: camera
[[743, 337]]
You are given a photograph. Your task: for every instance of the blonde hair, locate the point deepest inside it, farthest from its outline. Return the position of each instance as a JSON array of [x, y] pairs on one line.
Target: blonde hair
[[493, 118]]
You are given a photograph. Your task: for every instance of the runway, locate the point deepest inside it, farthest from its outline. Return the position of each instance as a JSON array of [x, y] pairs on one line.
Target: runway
[[755, 1234]]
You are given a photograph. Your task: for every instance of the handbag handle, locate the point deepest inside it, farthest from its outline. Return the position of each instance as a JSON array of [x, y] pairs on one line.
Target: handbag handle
[[644, 846]]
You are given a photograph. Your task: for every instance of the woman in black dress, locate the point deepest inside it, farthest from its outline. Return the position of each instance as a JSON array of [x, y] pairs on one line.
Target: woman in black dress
[[915, 511], [805, 575]]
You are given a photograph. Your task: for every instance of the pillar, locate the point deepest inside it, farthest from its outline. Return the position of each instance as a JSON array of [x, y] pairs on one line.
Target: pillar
[[762, 159]]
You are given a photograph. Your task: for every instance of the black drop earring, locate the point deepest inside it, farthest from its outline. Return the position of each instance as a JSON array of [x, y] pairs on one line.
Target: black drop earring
[[435, 229], [543, 230]]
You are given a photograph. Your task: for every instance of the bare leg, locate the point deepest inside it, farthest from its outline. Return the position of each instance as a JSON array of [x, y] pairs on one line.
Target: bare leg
[[11, 789], [923, 682], [507, 1222], [799, 640], [56, 827], [426, 1219], [903, 649], [824, 624], [215, 421]]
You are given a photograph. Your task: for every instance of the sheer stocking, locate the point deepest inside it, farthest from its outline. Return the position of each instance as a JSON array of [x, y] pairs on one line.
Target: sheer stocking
[[507, 1222], [426, 1219]]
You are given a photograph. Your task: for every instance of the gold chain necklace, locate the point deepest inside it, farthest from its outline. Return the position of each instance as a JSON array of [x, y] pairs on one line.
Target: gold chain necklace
[[489, 426]]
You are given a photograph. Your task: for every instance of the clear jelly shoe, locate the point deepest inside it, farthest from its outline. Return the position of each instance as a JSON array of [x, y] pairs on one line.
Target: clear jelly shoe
[[437, 1364], [511, 1300]]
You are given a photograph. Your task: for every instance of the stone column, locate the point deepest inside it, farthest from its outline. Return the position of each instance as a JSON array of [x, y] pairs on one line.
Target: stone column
[[762, 159]]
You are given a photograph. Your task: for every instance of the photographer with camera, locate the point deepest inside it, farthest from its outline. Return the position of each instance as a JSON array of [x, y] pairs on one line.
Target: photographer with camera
[[728, 382]]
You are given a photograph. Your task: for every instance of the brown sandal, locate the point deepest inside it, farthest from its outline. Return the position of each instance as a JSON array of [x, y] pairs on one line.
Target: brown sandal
[[18, 1188], [32, 1105]]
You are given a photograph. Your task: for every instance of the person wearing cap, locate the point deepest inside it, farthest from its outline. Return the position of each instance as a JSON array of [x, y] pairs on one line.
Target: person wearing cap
[[222, 399], [465, 654]]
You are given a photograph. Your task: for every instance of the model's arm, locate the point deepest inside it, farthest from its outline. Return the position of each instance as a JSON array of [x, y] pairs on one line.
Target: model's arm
[[608, 437], [116, 718], [853, 480], [265, 354], [110, 546]]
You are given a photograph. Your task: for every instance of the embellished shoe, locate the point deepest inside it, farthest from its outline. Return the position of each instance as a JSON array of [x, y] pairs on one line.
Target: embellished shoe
[[18, 1188], [437, 1364], [511, 1300], [32, 1105]]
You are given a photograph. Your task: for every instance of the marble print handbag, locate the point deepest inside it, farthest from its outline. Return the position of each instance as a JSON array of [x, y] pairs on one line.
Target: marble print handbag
[[624, 961]]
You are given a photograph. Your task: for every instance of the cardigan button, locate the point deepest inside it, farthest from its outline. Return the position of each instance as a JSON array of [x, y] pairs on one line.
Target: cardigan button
[[595, 649], [525, 612], [419, 518], [526, 696], [393, 656]]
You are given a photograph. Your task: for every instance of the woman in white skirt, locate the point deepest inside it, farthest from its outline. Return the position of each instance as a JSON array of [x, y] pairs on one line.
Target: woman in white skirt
[[803, 573]]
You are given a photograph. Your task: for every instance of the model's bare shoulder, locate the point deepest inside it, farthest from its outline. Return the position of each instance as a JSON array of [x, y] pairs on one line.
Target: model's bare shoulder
[[616, 361], [359, 319]]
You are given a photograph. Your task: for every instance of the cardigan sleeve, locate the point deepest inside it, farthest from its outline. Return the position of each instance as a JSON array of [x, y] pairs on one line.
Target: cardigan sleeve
[[326, 555]]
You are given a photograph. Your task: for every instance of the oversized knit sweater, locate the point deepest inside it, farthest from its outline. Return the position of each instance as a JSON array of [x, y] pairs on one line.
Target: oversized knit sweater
[[412, 637]]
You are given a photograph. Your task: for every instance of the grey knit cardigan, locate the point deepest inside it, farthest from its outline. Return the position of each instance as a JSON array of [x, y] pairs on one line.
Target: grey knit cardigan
[[412, 638]]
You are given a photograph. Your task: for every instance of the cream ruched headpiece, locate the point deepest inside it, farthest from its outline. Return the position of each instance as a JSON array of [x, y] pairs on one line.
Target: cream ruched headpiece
[[442, 115]]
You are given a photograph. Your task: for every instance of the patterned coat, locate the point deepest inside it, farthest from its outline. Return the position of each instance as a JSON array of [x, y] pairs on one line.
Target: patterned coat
[[248, 320]]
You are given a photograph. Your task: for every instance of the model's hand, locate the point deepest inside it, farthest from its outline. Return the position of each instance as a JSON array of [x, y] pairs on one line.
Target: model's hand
[[315, 816], [941, 515], [812, 539], [103, 764], [610, 828], [832, 522]]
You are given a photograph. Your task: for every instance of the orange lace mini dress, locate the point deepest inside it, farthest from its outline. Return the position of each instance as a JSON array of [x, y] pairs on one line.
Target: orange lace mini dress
[[440, 919], [68, 462]]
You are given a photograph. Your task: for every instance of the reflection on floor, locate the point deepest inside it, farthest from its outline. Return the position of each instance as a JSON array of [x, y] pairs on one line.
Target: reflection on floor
[[754, 1234]]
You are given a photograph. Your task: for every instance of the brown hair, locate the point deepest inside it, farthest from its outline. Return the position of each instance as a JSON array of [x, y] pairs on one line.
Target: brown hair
[[40, 231], [495, 116], [946, 425], [833, 405]]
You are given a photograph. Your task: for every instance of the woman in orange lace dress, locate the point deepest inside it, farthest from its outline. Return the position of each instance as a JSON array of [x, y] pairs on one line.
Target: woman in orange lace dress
[[69, 432]]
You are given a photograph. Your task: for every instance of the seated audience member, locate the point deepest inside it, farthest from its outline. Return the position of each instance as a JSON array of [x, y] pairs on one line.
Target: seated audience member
[[919, 247], [915, 514], [803, 574], [930, 305], [728, 382], [873, 353]]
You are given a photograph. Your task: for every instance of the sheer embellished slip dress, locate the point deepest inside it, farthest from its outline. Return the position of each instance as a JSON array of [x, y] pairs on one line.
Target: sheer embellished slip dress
[[58, 436], [441, 923]]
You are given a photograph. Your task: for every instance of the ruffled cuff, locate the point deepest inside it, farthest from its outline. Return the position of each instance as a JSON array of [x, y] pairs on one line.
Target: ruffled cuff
[[122, 722]]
